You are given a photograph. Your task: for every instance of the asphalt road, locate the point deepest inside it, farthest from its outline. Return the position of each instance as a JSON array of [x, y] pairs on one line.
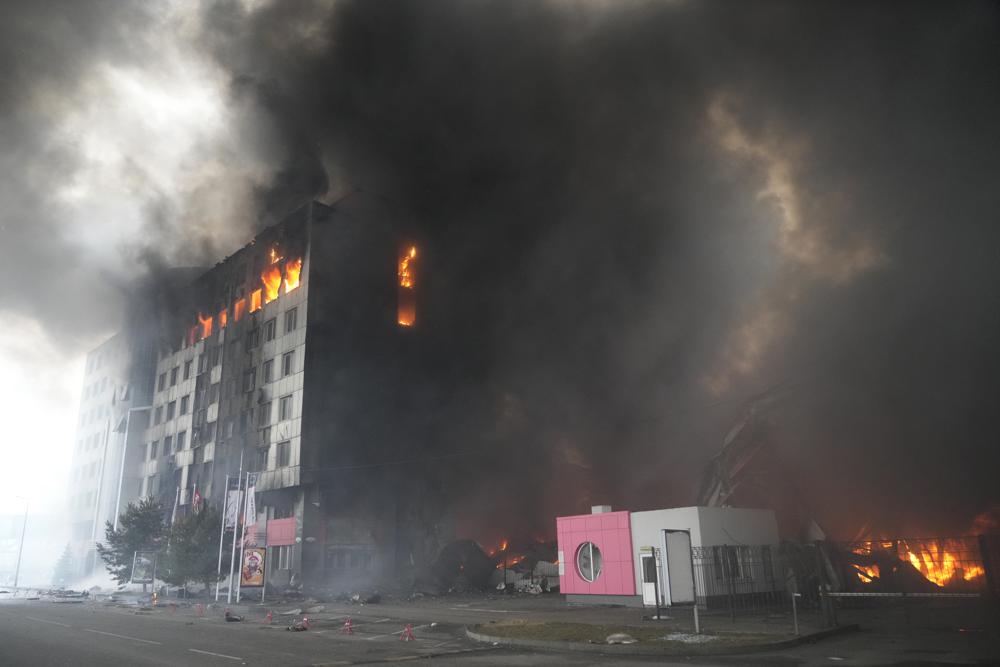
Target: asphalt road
[[44, 632]]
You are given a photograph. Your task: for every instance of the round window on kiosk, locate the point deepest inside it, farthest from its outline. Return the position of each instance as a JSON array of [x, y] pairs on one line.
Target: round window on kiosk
[[588, 561]]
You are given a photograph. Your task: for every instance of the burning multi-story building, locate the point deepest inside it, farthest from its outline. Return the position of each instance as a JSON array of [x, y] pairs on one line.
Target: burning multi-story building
[[289, 360]]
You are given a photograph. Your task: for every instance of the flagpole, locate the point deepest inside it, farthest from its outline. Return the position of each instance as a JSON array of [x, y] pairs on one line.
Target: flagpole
[[232, 557], [222, 535], [243, 538]]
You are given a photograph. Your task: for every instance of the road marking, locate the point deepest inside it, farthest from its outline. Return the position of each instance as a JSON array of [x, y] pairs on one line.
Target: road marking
[[111, 634], [489, 611], [444, 642], [42, 620], [398, 632], [217, 655]]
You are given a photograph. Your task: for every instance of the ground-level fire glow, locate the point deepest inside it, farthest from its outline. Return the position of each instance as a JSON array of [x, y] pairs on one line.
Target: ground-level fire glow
[[943, 562], [407, 306]]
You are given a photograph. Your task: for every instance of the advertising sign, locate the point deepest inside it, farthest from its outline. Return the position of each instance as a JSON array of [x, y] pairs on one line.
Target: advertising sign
[[143, 567], [252, 572]]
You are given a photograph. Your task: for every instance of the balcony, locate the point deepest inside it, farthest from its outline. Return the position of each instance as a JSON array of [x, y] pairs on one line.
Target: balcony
[[281, 478]]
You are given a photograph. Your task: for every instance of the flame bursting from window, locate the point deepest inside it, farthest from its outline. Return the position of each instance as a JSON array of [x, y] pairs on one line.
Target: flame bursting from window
[[293, 269], [205, 325], [407, 304], [271, 278]]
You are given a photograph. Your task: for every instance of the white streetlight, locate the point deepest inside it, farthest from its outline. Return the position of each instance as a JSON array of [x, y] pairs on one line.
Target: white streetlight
[[121, 472]]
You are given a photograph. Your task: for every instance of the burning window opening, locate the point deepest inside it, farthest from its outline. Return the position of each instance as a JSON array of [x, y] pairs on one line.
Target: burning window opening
[[239, 308], [293, 269], [271, 279], [273, 256], [407, 305], [192, 336], [255, 300], [205, 325], [223, 318]]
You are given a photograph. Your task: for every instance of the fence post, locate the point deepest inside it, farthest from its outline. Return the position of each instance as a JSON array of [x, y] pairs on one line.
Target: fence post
[[732, 583], [795, 613]]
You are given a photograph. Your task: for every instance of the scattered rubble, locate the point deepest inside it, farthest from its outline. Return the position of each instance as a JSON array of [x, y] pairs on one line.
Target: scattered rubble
[[689, 638]]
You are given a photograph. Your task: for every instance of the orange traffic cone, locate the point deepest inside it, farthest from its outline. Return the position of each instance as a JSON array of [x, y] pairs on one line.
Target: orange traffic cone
[[348, 628], [407, 634], [269, 617], [199, 610]]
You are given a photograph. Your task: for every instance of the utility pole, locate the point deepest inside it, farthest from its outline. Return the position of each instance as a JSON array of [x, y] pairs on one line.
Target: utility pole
[[20, 549]]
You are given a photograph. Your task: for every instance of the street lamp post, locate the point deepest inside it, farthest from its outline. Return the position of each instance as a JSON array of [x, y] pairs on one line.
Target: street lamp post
[[121, 472], [20, 548]]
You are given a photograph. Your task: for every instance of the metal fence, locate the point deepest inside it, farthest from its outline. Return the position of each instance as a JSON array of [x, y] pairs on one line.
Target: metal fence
[[738, 577]]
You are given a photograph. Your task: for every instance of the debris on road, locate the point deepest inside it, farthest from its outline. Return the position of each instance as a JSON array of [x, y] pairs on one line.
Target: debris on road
[[620, 638]]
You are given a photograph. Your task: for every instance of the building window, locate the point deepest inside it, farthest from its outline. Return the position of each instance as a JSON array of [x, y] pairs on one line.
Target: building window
[[284, 454], [588, 561], [173, 375], [255, 300], [161, 383], [184, 404], [268, 373], [214, 356], [250, 380], [171, 410], [269, 329], [287, 363], [253, 338], [262, 458], [285, 408], [202, 362], [284, 555], [158, 414], [152, 449], [265, 436], [181, 440], [168, 445], [187, 369], [264, 414], [213, 393], [290, 319]]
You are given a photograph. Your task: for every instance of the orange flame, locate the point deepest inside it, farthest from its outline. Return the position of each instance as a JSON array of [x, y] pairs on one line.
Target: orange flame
[[406, 308], [205, 324], [255, 300], [939, 561], [272, 255], [223, 318], [940, 564], [271, 277], [293, 269], [239, 308], [405, 275], [503, 545]]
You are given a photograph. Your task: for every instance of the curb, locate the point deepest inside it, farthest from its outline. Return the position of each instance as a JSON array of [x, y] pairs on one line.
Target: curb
[[637, 649]]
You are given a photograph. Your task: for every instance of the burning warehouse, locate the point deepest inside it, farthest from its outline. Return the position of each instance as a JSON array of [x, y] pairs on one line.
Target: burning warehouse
[[286, 362]]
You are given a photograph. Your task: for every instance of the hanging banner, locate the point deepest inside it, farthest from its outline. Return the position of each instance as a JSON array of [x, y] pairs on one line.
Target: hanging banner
[[251, 517], [252, 572], [233, 508], [143, 567]]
